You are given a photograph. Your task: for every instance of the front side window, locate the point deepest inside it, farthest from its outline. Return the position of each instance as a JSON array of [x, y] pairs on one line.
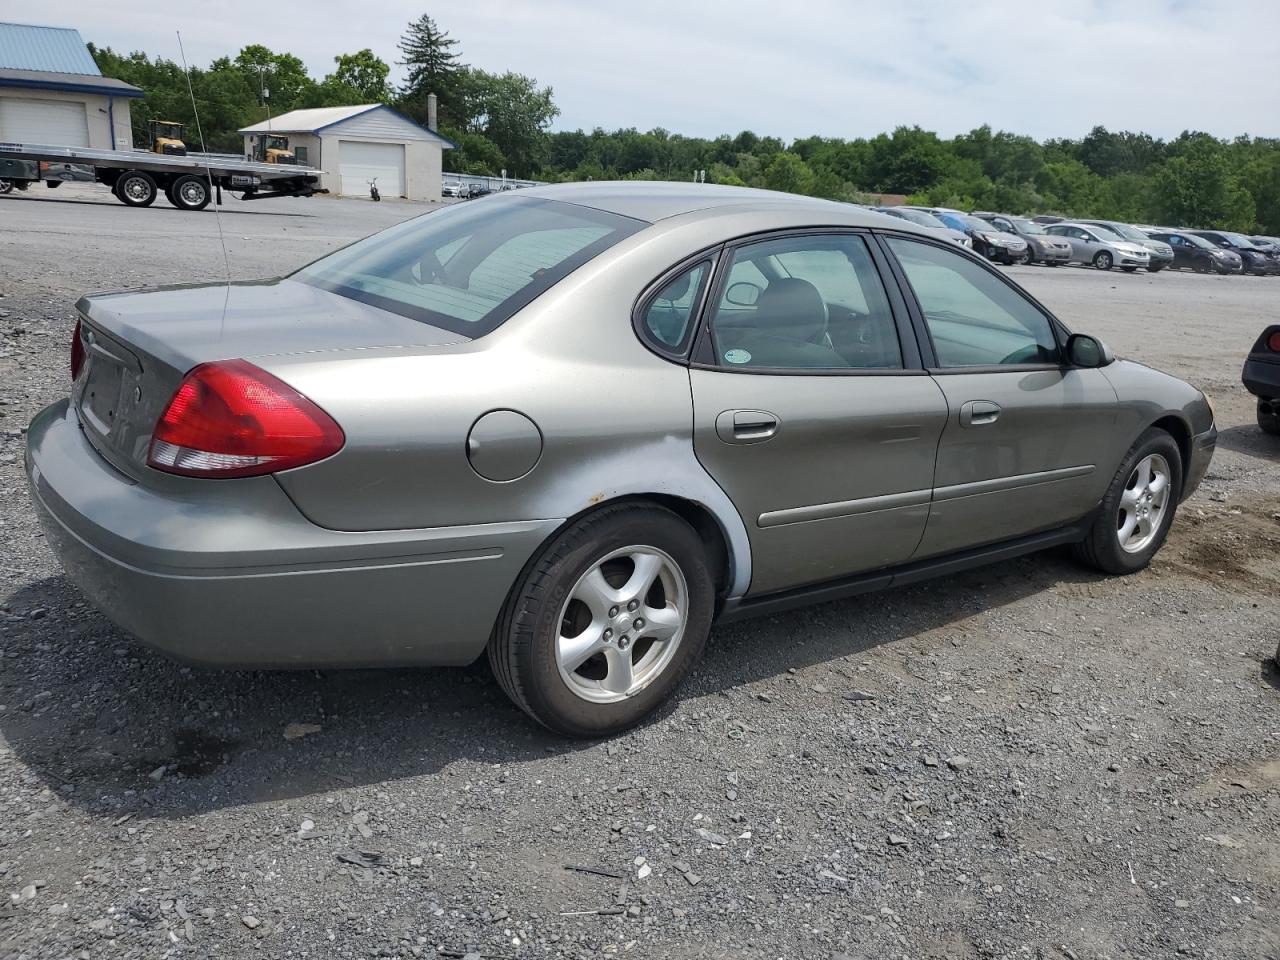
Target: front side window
[[470, 267], [810, 302], [975, 319]]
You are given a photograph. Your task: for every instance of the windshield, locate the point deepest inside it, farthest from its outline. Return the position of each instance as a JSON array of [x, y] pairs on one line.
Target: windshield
[[1128, 232], [1107, 232], [1238, 240], [1026, 226], [915, 216], [1198, 241], [470, 267], [980, 226]]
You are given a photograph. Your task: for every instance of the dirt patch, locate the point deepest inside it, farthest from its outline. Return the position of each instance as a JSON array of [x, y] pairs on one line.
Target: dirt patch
[[1234, 546]]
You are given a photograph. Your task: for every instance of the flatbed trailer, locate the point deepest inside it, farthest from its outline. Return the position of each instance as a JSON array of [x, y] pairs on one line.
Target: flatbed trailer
[[136, 177]]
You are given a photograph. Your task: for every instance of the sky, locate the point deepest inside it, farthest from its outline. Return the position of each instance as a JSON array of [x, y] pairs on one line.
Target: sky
[[788, 69]]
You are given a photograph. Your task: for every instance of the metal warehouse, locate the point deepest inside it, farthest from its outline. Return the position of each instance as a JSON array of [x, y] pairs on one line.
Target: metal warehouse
[[51, 91], [354, 145]]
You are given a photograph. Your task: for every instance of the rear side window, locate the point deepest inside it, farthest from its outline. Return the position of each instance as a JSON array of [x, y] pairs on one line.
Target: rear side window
[[470, 267], [805, 302], [668, 317], [974, 318]]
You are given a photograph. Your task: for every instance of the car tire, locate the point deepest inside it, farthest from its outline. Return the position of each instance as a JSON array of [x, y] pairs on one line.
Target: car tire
[[1129, 269], [189, 192], [1103, 260], [6, 186], [1131, 504], [1268, 419], [1026, 259], [569, 588], [136, 188], [1156, 268]]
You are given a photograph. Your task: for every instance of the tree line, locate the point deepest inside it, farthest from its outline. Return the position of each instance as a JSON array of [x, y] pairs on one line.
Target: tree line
[[503, 121]]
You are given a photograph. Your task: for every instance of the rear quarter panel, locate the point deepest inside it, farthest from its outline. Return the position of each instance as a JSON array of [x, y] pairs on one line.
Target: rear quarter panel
[[615, 418]]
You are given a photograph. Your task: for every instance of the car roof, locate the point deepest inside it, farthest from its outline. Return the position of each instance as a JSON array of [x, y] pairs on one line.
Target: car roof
[[654, 200]]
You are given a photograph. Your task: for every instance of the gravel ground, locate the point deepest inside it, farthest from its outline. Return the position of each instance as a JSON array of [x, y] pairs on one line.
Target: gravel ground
[[1025, 761]]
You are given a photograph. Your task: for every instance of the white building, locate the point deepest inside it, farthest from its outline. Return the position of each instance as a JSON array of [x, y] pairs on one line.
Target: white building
[[51, 92], [353, 145]]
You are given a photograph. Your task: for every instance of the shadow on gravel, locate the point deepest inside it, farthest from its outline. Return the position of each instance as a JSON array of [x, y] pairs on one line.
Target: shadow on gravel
[[1251, 441], [226, 207], [1270, 672], [115, 727]]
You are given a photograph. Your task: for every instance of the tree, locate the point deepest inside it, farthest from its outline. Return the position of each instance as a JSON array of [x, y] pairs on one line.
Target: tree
[[511, 111], [363, 73], [789, 173], [282, 75], [434, 67]]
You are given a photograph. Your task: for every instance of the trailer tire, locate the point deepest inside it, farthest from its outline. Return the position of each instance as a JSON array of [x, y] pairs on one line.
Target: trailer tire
[[189, 192], [136, 188]]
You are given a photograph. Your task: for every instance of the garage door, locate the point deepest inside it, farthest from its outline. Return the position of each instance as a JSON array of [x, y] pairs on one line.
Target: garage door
[[361, 162], [59, 122]]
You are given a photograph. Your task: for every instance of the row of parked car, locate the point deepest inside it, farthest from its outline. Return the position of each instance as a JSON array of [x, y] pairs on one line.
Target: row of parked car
[[1104, 244]]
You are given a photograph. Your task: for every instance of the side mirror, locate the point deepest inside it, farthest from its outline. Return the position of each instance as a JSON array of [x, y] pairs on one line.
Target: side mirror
[[1086, 351], [742, 294]]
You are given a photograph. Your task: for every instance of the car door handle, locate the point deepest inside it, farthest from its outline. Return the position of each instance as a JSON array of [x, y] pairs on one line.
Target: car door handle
[[979, 413], [746, 426]]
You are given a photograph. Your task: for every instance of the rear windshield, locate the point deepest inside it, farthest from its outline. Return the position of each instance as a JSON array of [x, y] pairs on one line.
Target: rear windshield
[[471, 266]]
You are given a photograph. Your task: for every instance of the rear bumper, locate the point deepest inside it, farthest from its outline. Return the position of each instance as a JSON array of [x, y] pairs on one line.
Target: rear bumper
[[229, 573], [1262, 377], [1202, 448]]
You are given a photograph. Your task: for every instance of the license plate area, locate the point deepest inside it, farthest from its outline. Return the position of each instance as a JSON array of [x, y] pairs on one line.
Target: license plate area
[[106, 392]]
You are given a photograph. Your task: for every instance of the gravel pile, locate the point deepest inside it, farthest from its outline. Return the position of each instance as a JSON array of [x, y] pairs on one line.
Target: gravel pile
[[1025, 761]]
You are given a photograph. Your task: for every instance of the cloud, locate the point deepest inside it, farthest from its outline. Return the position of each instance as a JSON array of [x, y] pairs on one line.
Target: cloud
[[840, 69]]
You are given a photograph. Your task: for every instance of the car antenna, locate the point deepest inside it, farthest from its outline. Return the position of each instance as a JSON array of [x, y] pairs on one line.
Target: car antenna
[[217, 213]]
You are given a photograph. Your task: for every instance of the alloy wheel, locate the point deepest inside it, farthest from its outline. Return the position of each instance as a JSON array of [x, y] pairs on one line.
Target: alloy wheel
[[1143, 503], [621, 624]]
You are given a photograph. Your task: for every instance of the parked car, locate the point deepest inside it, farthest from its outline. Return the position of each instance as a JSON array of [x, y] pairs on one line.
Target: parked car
[[1191, 252], [1261, 377], [452, 188], [987, 240], [1271, 247], [1255, 259], [1161, 253], [567, 426], [928, 221], [478, 189], [1041, 247], [1102, 249]]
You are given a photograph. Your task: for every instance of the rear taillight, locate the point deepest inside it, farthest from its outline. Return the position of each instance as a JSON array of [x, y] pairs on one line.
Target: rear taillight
[[77, 353], [232, 419], [1273, 342]]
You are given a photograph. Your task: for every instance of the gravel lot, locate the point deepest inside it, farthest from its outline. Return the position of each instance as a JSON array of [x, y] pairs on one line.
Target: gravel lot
[[1026, 761]]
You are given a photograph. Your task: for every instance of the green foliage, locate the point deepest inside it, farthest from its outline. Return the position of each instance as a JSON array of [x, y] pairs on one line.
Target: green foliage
[[502, 121], [433, 67], [363, 73]]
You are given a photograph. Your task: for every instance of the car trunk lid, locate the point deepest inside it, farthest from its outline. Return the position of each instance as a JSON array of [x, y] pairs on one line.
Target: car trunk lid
[[140, 344]]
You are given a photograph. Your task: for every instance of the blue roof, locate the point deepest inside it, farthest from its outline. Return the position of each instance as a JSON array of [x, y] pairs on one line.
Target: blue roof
[[47, 49]]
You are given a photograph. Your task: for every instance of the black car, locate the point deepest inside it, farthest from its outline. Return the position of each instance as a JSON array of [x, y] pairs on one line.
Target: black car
[[1254, 258], [1041, 246], [1261, 377], [1193, 252]]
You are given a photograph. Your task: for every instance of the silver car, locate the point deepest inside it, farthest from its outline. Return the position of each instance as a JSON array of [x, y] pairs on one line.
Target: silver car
[[574, 426], [1103, 249], [1161, 254]]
